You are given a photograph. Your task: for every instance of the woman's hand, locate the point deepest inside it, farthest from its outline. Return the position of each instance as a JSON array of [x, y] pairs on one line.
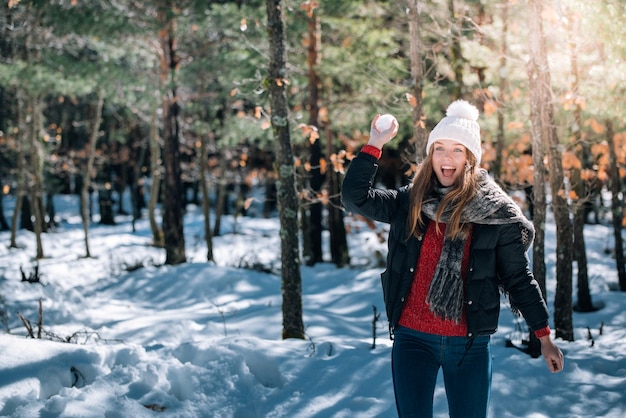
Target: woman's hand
[[379, 138], [551, 354]]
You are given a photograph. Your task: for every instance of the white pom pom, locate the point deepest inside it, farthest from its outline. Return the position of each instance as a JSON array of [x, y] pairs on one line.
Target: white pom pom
[[384, 122], [462, 109]]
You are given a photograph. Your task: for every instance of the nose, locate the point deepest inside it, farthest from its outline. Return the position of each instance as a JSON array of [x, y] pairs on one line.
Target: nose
[[447, 153]]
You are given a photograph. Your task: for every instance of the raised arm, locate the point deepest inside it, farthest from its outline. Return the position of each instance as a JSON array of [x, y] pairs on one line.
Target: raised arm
[[358, 192]]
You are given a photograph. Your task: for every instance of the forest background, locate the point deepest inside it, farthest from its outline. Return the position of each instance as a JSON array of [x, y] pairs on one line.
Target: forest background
[[100, 97]]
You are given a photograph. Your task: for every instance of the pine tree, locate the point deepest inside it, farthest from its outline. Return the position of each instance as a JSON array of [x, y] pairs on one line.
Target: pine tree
[[293, 326]]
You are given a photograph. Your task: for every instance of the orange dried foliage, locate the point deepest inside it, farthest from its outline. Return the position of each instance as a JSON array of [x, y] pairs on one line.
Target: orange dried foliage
[[309, 131], [489, 153], [422, 122], [323, 197], [603, 176], [213, 162], [411, 99], [323, 114], [338, 161], [243, 160], [351, 144], [490, 107], [572, 101], [323, 166], [587, 174], [571, 195], [599, 148], [519, 169], [314, 137], [521, 145], [570, 161], [515, 125], [309, 7], [596, 126]]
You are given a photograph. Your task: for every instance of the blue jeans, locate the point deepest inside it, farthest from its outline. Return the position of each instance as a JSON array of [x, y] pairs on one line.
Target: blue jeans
[[415, 361]]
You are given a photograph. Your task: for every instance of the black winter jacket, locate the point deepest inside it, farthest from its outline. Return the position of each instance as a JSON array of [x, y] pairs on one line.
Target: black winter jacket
[[497, 256]]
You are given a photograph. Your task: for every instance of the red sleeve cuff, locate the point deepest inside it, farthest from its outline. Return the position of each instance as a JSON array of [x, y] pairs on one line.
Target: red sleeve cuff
[[373, 151], [542, 332]]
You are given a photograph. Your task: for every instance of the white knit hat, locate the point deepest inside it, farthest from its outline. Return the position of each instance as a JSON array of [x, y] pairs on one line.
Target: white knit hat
[[460, 124]]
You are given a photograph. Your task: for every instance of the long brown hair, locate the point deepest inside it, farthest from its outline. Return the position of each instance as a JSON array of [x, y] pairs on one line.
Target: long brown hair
[[425, 180]]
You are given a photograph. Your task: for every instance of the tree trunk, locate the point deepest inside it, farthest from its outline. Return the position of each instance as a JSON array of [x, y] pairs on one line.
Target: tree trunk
[[221, 197], [136, 190], [293, 326], [617, 209], [91, 155], [121, 181], [305, 216], [4, 226], [338, 239], [314, 231], [414, 8], [502, 88], [50, 211], [105, 204], [584, 303], [206, 200], [540, 83], [36, 165], [20, 191], [456, 54], [173, 194], [538, 203], [155, 170]]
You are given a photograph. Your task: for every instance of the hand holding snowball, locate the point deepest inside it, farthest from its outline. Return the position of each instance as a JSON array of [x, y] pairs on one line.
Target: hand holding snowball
[[383, 129]]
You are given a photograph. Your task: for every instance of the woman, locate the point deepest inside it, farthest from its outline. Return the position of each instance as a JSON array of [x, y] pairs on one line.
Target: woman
[[456, 240]]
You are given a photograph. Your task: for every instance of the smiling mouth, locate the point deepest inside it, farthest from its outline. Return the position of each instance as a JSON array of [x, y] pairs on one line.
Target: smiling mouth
[[447, 171]]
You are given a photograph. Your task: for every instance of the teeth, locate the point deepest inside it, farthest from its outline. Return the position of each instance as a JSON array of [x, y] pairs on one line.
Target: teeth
[[447, 167]]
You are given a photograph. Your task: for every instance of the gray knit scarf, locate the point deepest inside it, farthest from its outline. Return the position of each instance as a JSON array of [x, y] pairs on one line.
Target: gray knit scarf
[[490, 206]]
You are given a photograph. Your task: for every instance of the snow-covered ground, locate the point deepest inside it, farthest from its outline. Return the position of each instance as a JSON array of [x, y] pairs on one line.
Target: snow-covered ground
[[204, 339]]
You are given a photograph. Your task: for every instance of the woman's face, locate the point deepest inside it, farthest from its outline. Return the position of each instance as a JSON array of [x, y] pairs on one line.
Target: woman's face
[[448, 158]]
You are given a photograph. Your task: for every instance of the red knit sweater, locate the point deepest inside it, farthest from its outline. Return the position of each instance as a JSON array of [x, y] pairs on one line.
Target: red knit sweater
[[416, 313]]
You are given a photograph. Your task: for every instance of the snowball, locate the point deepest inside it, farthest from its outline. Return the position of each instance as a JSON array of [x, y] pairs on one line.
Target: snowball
[[384, 122]]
